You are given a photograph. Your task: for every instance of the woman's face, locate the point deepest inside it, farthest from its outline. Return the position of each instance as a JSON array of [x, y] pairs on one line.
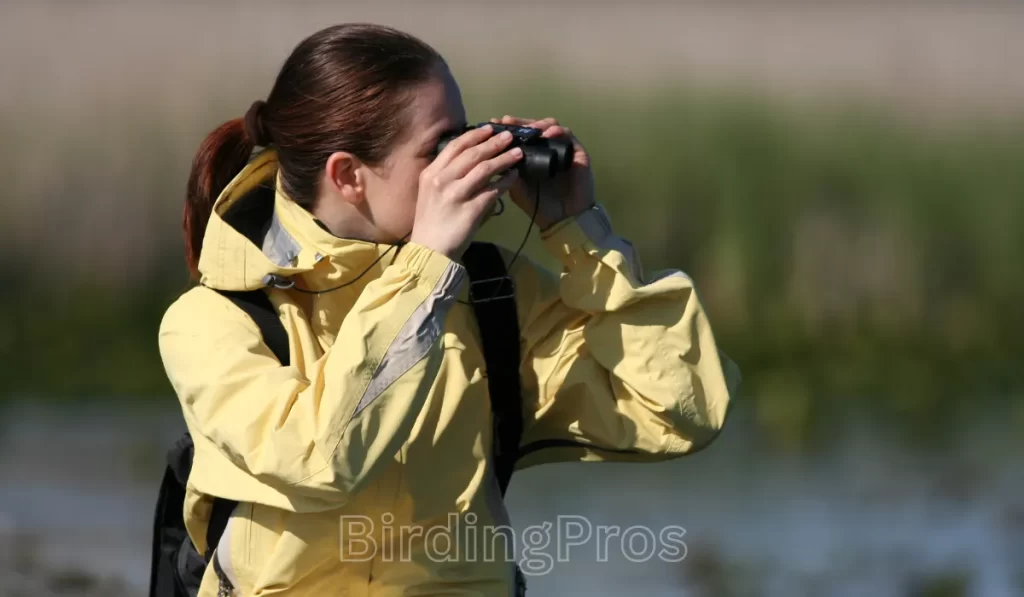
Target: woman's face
[[391, 189]]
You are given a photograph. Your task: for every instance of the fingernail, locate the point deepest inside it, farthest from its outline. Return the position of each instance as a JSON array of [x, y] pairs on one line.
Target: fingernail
[[517, 152], [505, 135]]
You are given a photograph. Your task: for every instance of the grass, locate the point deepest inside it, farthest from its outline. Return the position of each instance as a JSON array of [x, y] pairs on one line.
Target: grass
[[850, 258]]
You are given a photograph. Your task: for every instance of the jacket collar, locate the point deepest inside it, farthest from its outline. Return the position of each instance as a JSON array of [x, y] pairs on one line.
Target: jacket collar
[[257, 235]]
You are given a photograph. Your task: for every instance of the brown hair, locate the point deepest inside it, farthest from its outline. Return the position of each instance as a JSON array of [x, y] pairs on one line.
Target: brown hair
[[343, 88]]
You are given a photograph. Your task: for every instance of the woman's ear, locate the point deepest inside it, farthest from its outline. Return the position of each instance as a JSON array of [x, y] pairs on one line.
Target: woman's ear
[[343, 174]]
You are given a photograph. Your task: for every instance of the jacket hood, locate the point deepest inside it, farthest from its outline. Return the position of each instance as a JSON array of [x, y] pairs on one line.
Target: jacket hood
[[257, 236]]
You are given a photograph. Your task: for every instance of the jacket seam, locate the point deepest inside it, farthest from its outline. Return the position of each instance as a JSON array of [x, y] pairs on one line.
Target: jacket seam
[[365, 382]]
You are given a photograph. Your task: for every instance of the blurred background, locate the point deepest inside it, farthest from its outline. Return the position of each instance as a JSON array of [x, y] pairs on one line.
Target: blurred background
[[843, 180]]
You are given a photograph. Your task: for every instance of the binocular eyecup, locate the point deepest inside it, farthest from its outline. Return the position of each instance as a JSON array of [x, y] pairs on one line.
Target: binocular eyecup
[[542, 158]]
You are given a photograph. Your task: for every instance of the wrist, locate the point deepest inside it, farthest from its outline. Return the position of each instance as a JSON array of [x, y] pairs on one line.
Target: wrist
[[584, 231], [549, 226], [425, 262], [552, 223], [435, 245]]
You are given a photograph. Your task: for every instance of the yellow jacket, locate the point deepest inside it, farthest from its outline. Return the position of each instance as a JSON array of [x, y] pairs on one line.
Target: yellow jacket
[[381, 424]]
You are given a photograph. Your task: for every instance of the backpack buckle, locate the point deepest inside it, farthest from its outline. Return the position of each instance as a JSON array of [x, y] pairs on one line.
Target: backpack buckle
[[491, 289]]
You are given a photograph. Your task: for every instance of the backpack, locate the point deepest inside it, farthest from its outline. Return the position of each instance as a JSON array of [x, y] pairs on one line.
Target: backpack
[[177, 568]]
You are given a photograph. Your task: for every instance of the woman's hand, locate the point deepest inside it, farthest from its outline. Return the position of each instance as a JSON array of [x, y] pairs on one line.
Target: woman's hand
[[455, 194], [569, 193]]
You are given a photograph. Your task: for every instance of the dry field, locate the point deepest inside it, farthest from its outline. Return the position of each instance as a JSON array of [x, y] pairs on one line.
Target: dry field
[[68, 54], [103, 101]]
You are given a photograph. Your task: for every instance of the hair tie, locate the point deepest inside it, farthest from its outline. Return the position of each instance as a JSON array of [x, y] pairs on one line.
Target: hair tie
[[255, 129]]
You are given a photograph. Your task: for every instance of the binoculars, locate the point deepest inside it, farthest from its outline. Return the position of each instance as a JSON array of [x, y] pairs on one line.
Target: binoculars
[[542, 158]]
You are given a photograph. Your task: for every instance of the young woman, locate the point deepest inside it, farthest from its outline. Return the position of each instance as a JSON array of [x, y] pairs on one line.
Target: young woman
[[382, 415]]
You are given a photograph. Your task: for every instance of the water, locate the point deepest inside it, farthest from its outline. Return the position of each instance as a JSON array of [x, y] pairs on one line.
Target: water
[[870, 518]]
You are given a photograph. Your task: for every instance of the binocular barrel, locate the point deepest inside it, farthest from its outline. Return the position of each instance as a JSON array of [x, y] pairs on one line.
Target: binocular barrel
[[542, 159]]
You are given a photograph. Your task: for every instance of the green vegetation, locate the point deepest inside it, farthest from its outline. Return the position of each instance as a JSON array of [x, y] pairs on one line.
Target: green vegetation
[[851, 260]]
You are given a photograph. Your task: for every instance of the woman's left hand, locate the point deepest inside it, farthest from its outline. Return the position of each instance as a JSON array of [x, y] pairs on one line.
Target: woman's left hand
[[569, 193]]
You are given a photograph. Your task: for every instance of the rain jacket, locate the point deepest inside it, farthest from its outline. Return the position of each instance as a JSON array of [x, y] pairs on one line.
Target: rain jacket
[[350, 463]]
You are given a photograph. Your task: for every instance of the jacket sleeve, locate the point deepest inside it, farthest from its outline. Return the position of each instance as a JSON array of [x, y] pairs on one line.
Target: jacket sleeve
[[617, 365], [308, 437]]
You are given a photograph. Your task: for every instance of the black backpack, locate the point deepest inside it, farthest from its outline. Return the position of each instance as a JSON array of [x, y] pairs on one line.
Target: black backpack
[[177, 567]]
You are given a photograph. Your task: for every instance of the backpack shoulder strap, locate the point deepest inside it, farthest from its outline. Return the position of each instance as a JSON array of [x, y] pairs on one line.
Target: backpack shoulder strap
[[492, 296], [176, 568], [257, 305]]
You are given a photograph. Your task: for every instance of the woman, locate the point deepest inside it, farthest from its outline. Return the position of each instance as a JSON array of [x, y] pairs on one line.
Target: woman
[[382, 414]]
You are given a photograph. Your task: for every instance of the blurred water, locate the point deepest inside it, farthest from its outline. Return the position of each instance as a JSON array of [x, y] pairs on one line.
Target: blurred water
[[867, 519]]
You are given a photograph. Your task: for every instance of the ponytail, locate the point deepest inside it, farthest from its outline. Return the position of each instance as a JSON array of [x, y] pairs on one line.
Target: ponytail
[[220, 158], [345, 86]]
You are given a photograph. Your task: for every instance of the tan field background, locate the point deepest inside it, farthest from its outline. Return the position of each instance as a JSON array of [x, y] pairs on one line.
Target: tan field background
[[133, 83], [928, 53]]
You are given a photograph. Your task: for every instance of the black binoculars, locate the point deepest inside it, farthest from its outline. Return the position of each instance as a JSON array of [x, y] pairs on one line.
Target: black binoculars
[[542, 158]]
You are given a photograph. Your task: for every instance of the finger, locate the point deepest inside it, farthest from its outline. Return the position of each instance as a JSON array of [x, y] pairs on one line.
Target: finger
[[564, 131], [515, 120], [539, 123], [482, 172], [466, 161], [556, 131], [502, 184], [490, 193], [459, 145], [506, 181], [543, 124]]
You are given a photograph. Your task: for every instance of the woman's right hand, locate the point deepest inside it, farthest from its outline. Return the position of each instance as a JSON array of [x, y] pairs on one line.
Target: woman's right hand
[[456, 194]]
